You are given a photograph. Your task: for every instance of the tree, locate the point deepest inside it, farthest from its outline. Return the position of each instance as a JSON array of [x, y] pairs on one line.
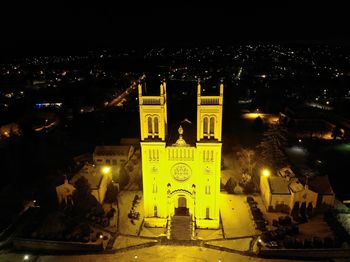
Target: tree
[[295, 210], [249, 188], [303, 210], [123, 177], [309, 209], [84, 202], [258, 124], [246, 159], [111, 194], [83, 187], [271, 148], [230, 185]]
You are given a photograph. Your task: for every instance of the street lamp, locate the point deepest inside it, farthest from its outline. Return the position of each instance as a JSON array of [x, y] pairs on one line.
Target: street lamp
[[266, 172], [106, 170]]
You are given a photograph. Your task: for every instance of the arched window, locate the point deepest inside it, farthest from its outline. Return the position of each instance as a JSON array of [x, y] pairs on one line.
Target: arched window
[[205, 125], [156, 125], [212, 125], [149, 122]]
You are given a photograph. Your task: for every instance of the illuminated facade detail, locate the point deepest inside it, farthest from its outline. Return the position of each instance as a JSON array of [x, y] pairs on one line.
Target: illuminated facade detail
[[179, 175]]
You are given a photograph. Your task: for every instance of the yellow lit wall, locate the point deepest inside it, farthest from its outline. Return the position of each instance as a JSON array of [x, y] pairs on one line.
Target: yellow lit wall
[[171, 172]]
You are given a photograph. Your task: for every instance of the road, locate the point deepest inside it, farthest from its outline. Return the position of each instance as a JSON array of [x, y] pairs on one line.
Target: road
[[120, 99]]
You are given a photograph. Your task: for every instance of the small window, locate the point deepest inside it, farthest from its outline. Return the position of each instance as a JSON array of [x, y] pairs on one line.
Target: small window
[[207, 213], [207, 190], [155, 189], [155, 211]]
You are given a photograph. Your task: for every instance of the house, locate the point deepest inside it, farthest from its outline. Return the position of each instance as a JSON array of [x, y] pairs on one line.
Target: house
[[275, 192], [112, 155], [283, 191]]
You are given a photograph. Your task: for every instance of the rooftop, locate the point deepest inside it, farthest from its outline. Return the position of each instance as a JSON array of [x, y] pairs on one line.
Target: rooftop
[[112, 150], [296, 186], [278, 185], [319, 184]]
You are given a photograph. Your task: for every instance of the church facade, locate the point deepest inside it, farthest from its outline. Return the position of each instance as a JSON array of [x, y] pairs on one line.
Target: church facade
[[181, 178]]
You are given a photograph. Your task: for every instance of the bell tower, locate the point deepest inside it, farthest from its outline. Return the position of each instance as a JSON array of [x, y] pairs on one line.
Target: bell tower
[[209, 115], [153, 114]]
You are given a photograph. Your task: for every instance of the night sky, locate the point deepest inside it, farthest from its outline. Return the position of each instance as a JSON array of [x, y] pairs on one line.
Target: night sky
[[62, 27]]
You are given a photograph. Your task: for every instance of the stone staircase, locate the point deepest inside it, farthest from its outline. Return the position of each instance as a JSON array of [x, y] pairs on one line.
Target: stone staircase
[[181, 228]]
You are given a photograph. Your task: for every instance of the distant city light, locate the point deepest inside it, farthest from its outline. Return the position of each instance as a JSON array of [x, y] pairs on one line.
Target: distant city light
[[26, 257], [299, 140]]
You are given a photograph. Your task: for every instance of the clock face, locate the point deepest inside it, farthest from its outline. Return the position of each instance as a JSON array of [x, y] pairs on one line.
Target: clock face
[[181, 172]]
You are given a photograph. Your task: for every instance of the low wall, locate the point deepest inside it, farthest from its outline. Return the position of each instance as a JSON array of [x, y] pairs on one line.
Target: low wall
[[47, 245]]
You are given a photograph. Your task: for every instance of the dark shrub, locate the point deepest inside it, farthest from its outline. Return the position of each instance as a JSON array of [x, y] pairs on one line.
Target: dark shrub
[[307, 243], [328, 242], [105, 222], [111, 194], [250, 199], [295, 229], [289, 242], [275, 222], [284, 220], [266, 237], [86, 239], [317, 242], [309, 210], [298, 243], [111, 213], [94, 239]]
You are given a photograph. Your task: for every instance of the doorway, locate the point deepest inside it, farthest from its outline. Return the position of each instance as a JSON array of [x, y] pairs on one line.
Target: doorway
[[182, 209]]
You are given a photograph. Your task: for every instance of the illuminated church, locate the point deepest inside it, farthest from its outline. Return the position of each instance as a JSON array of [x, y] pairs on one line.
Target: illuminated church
[[181, 169]]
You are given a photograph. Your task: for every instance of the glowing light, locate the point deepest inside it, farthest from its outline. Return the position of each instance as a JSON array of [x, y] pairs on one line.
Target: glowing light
[[101, 236], [266, 172], [299, 140], [252, 115], [327, 102], [106, 170], [26, 257]]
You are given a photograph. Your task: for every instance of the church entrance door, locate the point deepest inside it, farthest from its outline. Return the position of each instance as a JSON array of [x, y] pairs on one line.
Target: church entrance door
[[182, 209]]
